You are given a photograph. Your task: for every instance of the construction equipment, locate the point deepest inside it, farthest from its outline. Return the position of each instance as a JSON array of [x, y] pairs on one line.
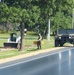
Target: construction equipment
[[13, 41]]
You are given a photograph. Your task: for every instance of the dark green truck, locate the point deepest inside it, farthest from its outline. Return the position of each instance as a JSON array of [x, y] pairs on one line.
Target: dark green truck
[[63, 36]]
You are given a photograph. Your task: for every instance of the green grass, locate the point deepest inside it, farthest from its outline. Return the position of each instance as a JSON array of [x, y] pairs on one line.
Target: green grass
[[4, 35], [28, 44]]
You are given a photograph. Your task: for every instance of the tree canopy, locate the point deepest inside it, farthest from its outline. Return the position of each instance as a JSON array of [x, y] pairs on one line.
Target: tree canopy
[[37, 12]]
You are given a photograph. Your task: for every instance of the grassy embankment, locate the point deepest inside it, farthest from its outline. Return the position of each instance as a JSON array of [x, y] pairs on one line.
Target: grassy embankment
[[28, 45]]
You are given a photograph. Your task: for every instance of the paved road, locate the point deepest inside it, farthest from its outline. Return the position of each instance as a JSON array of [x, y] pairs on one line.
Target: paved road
[[52, 63]]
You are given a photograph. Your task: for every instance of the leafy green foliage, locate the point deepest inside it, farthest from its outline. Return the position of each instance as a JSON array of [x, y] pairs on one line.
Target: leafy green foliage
[[37, 12], [60, 21]]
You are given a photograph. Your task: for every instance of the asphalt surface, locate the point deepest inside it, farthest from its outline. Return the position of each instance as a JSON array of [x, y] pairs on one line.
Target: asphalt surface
[[53, 63]]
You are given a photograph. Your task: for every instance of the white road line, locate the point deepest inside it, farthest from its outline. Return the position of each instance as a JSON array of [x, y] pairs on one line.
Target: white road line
[[29, 60]]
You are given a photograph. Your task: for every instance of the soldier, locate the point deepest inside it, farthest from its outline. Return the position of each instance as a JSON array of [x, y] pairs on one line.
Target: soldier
[[39, 41]]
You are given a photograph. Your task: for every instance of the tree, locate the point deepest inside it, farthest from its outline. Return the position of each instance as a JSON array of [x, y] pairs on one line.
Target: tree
[[20, 16], [4, 17], [23, 17], [60, 21]]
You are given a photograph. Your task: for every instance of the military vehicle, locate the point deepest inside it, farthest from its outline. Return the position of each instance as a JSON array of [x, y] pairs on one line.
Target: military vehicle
[[63, 36]]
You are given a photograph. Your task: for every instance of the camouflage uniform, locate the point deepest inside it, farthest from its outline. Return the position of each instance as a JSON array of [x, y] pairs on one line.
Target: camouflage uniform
[[39, 41]]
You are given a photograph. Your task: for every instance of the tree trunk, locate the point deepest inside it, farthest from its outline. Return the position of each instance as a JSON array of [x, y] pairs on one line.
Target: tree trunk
[[22, 37]]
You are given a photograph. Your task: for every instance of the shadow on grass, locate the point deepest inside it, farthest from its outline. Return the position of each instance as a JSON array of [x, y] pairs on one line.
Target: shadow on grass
[[33, 50]]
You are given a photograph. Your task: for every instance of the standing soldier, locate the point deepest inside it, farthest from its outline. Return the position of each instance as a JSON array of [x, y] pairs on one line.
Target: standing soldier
[[39, 41]]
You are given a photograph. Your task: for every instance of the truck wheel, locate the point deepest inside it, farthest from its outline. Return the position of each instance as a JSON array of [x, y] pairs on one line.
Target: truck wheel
[[56, 43], [61, 44]]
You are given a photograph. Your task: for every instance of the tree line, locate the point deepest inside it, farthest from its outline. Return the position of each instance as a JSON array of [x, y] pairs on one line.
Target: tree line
[[36, 13]]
